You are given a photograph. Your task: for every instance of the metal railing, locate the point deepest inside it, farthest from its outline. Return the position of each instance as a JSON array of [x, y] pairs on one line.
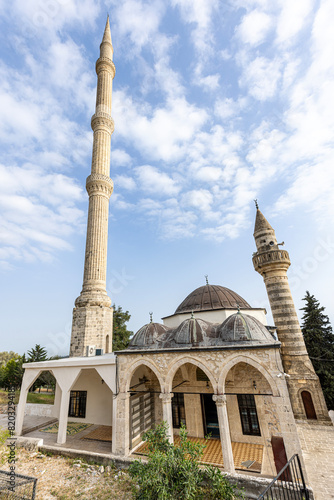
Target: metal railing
[[289, 484], [17, 486]]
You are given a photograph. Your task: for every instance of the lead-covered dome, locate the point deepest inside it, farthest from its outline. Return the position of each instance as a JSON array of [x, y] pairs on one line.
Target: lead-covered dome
[[242, 327], [148, 335], [211, 297]]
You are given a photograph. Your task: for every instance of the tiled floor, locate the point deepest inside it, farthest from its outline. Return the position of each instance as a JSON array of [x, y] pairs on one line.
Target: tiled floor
[[213, 453]]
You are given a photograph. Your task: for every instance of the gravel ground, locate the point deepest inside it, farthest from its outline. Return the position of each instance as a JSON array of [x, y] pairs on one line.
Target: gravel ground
[[66, 479]]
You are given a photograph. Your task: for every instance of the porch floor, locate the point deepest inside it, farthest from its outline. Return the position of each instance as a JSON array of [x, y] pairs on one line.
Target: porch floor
[[242, 452]]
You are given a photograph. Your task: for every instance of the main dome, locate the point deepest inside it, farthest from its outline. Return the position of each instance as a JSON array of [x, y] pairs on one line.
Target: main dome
[[211, 297]]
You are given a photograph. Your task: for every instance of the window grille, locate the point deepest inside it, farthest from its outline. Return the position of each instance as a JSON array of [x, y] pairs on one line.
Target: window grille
[[77, 406], [178, 410], [248, 415]]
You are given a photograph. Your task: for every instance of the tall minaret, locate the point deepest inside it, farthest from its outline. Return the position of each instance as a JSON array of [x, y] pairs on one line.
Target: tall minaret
[[92, 315], [272, 262]]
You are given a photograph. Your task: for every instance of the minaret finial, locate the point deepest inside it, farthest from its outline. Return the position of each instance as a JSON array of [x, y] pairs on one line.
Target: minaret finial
[[151, 317], [206, 278], [256, 204]]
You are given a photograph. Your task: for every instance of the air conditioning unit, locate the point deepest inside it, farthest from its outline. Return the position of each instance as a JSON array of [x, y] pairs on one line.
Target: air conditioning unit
[[99, 352], [90, 350]]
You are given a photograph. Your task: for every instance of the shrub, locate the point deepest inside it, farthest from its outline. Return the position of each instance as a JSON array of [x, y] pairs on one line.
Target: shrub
[[174, 472]]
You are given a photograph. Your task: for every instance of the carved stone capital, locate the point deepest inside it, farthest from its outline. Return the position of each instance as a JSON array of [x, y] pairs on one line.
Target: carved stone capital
[[166, 397], [219, 399], [105, 64], [99, 184], [102, 121]]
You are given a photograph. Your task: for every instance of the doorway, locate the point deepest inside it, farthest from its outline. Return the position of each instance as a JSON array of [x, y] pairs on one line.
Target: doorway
[[308, 406], [210, 416]]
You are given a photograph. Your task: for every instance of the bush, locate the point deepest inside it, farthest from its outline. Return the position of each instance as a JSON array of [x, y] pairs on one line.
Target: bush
[[173, 472]]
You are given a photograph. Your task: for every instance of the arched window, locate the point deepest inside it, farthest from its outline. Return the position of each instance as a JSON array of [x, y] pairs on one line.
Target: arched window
[[107, 343], [308, 405]]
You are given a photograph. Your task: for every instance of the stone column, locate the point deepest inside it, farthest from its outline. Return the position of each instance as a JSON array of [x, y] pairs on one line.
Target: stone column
[[224, 431], [121, 423], [63, 416], [28, 378], [166, 399]]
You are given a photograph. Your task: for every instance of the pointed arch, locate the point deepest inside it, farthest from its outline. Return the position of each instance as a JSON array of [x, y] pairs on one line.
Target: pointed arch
[[184, 360], [126, 378], [250, 361]]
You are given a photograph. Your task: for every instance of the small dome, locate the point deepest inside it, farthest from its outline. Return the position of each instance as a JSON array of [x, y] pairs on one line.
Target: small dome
[[210, 297], [148, 334], [242, 327], [191, 331]]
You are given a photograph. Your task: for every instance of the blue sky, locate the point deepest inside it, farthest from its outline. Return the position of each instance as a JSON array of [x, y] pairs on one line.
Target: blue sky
[[215, 103]]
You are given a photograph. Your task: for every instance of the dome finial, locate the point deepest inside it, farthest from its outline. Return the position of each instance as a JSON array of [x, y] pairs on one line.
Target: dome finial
[[151, 317], [238, 308], [206, 279], [256, 204], [192, 315]]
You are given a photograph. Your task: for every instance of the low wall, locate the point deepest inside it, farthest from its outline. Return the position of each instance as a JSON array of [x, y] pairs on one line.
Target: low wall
[[39, 410]]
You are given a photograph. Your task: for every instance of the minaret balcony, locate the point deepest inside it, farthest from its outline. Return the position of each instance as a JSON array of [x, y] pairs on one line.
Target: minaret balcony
[[269, 258]]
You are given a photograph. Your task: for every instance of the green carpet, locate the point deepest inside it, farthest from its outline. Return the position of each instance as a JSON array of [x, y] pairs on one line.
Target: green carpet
[[72, 428]]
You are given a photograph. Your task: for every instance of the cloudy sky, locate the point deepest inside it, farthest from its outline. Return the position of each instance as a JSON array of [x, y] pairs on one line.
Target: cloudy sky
[[215, 103]]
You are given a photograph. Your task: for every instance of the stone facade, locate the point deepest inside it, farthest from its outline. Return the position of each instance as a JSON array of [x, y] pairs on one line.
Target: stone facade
[[92, 315], [254, 371]]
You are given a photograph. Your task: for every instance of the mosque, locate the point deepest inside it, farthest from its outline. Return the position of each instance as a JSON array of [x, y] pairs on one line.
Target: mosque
[[214, 365]]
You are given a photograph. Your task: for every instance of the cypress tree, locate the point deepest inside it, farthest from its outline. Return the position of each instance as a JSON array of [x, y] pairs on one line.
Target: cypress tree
[[319, 340]]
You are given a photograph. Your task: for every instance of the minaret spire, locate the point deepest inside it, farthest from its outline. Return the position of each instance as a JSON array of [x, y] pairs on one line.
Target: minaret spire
[[272, 263], [92, 315]]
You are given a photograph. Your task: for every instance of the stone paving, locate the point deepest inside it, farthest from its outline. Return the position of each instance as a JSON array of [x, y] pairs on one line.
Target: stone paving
[[317, 442]]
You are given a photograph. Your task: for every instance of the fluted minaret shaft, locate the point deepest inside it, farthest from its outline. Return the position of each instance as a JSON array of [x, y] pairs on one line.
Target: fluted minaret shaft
[[272, 262], [99, 185], [91, 326]]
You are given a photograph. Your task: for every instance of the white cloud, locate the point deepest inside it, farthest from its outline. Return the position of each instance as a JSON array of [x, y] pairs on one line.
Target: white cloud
[[119, 158], [151, 180], [254, 27], [124, 182], [201, 199], [162, 133], [292, 19], [261, 77], [200, 14]]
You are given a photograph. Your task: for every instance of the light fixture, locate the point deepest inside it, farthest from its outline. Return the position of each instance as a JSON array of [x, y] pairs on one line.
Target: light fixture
[[254, 384]]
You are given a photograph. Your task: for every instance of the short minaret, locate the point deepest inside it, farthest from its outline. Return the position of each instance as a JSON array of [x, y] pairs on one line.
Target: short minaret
[[92, 315], [272, 262]]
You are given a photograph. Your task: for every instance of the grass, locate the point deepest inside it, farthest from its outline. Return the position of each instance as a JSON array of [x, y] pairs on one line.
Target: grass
[[46, 398], [40, 398]]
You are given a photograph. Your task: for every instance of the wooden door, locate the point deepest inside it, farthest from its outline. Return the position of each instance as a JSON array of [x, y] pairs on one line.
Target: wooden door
[[308, 405], [280, 457]]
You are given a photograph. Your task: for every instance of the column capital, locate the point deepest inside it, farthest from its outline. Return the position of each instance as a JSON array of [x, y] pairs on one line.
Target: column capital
[[219, 399], [166, 397]]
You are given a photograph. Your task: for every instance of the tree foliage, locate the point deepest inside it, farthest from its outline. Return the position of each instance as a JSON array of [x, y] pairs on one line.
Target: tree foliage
[[174, 471], [319, 341], [121, 335], [37, 353], [12, 372]]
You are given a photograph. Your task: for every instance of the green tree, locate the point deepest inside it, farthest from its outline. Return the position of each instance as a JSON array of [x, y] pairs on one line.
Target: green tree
[[121, 335], [12, 372], [174, 471], [5, 356], [319, 341], [37, 353]]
